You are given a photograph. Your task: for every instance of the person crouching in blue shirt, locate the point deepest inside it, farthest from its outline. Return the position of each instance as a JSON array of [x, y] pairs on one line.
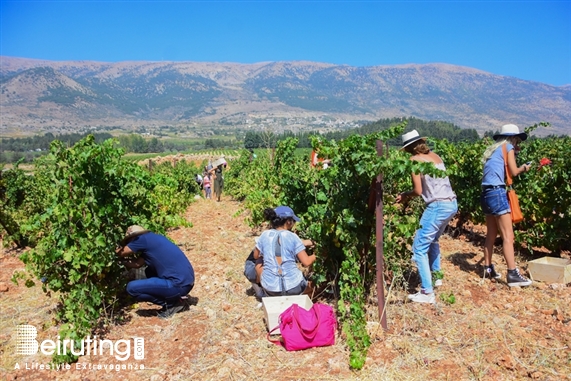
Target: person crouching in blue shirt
[[170, 275]]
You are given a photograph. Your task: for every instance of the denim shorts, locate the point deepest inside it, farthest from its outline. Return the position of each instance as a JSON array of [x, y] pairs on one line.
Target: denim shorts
[[494, 201]]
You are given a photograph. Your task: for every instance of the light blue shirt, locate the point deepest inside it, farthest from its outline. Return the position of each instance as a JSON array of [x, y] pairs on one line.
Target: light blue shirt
[[291, 245], [494, 168]]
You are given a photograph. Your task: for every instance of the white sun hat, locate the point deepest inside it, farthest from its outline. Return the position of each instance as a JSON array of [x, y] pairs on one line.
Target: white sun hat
[[510, 130], [411, 137]]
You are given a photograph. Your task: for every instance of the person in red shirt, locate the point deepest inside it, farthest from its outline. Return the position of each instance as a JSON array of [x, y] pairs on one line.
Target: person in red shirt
[[315, 160]]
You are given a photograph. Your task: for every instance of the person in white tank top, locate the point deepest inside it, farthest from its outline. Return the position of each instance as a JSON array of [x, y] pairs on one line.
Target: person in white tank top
[[441, 206]]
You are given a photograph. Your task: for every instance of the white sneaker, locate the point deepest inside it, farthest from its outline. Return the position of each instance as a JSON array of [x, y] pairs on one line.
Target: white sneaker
[[419, 297], [438, 283]]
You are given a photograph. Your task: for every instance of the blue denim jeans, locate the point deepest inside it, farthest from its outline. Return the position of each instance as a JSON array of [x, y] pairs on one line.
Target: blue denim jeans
[[425, 247], [157, 290]]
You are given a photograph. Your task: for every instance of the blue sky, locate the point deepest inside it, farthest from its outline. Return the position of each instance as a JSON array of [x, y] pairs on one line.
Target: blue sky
[[530, 40]]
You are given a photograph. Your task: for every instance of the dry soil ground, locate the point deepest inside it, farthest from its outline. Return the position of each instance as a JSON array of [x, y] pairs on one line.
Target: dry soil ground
[[491, 332]]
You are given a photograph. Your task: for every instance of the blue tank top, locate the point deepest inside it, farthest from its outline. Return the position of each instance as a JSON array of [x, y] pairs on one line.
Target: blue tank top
[[494, 167]]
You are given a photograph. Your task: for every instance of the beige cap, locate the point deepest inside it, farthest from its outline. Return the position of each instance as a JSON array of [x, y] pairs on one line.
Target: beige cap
[[132, 232]]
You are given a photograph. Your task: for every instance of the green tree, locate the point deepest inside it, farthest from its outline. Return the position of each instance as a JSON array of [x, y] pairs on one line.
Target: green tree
[[155, 146]]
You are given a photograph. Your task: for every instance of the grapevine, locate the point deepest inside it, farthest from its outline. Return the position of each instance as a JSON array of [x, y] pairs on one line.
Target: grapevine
[[334, 204], [76, 206], [91, 196], [336, 212]]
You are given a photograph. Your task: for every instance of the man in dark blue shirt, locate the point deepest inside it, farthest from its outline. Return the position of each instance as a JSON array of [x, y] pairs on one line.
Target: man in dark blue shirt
[[170, 275]]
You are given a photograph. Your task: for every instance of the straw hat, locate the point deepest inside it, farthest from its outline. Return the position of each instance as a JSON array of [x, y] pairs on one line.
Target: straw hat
[[411, 137], [510, 130], [132, 232]]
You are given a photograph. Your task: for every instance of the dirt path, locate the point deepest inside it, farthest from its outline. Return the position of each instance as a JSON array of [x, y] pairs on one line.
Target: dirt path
[[491, 332]]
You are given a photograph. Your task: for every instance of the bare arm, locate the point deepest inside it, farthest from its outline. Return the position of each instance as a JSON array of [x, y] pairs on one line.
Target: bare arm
[[307, 243], [124, 251], [512, 165], [306, 260], [134, 263], [416, 185], [416, 190]]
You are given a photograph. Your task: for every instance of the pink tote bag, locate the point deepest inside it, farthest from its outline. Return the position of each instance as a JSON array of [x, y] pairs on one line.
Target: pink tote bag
[[302, 329]]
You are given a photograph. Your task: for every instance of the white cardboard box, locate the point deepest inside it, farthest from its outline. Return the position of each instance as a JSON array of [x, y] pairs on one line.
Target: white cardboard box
[[275, 305], [550, 270]]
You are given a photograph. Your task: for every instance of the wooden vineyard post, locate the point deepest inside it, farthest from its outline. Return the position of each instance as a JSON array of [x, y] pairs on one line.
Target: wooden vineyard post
[[379, 234]]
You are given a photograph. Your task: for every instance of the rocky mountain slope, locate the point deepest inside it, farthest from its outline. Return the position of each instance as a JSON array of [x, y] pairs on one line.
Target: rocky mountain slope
[[37, 93]]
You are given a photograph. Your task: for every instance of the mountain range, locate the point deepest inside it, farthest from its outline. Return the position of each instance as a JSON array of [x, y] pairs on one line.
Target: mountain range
[[39, 95]]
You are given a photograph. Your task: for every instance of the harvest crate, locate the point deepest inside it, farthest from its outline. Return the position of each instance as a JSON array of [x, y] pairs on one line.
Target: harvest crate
[[275, 305], [218, 162], [550, 270]]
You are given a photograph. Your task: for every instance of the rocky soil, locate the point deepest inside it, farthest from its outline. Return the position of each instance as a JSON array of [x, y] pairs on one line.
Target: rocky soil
[[490, 332]]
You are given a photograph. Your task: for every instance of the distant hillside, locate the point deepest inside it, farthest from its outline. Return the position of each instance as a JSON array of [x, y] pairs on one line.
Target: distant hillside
[[36, 94]]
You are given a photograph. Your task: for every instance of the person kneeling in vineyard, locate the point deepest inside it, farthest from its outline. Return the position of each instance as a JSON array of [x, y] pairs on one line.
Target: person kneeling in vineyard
[[170, 275], [441, 206], [279, 248]]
